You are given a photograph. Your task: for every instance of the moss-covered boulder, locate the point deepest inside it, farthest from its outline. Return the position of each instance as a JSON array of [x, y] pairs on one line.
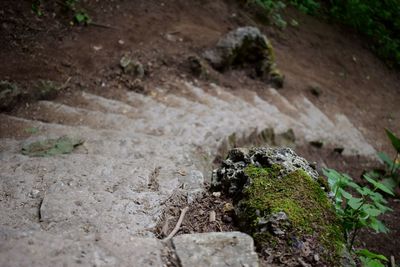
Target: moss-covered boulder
[[246, 47], [279, 201]]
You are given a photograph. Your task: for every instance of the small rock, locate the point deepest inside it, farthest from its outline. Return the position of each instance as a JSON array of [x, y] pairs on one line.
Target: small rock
[[316, 257], [132, 67], [97, 47], [216, 194], [227, 218], [171, 37], [212, 216], [34, 193], [197, 66], [233, 249]]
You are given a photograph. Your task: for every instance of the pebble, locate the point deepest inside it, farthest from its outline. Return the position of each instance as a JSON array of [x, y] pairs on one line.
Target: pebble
[[212, 217], [216, 194], [34, 193]]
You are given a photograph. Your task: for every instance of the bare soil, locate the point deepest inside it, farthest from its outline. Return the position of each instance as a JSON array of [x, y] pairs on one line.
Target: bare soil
[[328, 63]]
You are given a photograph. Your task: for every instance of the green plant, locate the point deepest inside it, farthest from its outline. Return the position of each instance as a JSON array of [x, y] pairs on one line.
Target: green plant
[[305, 6], [71, 4], [370, 259], [391, 176], [275, 7], [361, 211], [80, 16], [36, 8], [379, 20]]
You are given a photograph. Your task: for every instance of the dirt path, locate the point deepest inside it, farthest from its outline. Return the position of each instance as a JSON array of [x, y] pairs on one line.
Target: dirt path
[[143, 145]]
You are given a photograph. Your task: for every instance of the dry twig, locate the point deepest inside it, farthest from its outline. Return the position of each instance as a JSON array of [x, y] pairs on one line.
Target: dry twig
[[178, 224]]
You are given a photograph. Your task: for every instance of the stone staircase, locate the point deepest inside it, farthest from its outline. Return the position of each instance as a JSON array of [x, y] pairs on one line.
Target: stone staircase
[[99, 205]]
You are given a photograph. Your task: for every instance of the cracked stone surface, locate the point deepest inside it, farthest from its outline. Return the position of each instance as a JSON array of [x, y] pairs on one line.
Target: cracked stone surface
[[113, 187]]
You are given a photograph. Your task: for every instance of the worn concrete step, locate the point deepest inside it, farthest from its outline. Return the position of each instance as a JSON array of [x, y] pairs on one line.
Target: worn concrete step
[[116, 248]]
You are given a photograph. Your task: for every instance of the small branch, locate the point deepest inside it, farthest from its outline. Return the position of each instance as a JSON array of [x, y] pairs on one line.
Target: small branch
[[64, 85], [102, 25], [392, 262], [353, 238], [178, 224]]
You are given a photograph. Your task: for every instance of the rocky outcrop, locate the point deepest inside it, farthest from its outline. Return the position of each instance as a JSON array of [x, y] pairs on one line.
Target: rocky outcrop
[[231, 178], [246, 47], [279, 202]]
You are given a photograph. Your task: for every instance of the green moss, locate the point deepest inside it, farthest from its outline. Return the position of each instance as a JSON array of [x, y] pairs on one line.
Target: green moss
[[309, 210]]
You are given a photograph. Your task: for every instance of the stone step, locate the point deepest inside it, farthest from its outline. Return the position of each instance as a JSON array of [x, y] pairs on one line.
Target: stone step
[[118, 248], [115, 248]]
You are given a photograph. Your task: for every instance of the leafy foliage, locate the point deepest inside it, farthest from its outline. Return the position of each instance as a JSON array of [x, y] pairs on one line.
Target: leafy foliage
[[80, 16], [274, 8], [377, 19], [391, 176], [361, 211], [370, 259]]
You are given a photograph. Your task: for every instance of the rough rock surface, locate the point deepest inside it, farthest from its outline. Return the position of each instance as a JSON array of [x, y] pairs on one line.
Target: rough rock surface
[[232, 249], [243, 47], [115, 185], [230, 177], [112, 249]]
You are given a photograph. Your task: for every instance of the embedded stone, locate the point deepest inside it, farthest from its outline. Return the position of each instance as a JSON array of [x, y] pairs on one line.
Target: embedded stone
[[233, 249]]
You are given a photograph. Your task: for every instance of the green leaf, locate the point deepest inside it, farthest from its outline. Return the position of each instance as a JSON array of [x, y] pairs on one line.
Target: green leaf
[[378, 226], [371, 210], [366, 262], [378, 185], [371, 255], [386, 159], [394, 139], [383, 208], [390, 183], [365, 191], [377, 197], [355, 203], [353, 185], [82, 17], [345, 194], [51, 147]]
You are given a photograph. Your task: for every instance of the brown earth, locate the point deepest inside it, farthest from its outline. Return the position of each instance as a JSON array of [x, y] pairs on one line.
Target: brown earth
[[328, 63]]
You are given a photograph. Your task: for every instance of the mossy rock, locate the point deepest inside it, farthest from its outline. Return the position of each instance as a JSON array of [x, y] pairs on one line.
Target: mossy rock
[[307, 210], [278, 200], [247, 48]]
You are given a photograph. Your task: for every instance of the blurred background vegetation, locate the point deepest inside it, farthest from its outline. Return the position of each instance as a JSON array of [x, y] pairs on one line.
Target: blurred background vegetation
[[378, 20]]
